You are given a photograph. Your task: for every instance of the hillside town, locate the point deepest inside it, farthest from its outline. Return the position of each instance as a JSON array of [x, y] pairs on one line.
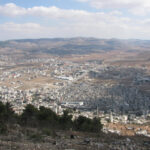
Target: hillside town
[[89, 89]]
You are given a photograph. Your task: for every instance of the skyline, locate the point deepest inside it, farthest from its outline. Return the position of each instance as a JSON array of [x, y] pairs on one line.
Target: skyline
[[74, 18]]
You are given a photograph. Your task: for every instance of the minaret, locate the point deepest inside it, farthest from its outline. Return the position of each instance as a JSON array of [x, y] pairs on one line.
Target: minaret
[[97, 112], [111, 117]]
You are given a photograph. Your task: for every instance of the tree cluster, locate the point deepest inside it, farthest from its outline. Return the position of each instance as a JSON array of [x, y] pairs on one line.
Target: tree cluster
[[45, 118]]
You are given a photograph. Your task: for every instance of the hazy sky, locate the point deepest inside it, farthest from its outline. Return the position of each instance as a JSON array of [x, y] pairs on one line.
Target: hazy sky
[[72, 18]]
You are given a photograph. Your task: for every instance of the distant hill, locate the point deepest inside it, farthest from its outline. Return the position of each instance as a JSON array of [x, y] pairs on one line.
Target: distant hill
[[69, 46]]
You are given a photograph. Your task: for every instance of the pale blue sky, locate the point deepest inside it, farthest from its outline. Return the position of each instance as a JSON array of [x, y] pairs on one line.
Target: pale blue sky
[[70, 18], [66, 4]]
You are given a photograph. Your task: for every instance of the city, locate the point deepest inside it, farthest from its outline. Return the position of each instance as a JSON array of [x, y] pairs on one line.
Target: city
[[93, 87]]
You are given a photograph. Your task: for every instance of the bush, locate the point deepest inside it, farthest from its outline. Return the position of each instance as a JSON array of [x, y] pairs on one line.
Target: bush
[[6, 112], [3, 128], [47, 118], [47, 132], [66, 120], [87, 125], [28, 117], [36, 137]]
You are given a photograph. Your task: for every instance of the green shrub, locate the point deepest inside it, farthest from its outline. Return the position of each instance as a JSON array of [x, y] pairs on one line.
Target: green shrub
[[36, 137], [3, 128], [47, 132]]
